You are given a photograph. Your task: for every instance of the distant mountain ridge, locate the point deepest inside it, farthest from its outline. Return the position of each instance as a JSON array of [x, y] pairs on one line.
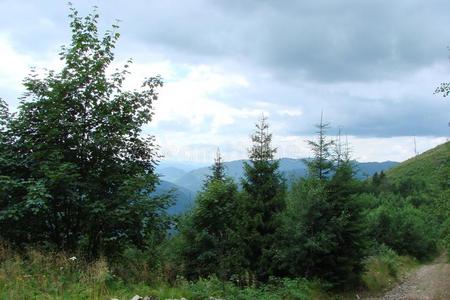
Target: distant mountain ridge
[[291, 169], [188, 183], [171, 174], [183, 198]]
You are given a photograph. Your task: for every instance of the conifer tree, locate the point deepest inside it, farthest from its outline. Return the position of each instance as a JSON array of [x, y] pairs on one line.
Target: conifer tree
[[375, 179], [382, 176], [264, 190], [217, 169], [347, 222], [321, 165], [322, 233], [209, 231]]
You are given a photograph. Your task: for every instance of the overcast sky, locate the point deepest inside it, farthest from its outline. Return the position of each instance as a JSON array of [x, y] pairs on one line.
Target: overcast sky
[[372, 66]]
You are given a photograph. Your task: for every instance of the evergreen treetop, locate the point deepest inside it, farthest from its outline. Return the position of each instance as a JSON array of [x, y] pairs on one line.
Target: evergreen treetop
[[321, 165], [217, 169], [261, 149]]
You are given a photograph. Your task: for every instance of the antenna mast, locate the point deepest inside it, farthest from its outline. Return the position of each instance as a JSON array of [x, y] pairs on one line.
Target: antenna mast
[[415, 146]]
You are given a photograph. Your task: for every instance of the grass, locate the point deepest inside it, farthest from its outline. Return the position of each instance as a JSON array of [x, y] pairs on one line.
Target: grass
[[385, 269], [431, 166], [38, 275]]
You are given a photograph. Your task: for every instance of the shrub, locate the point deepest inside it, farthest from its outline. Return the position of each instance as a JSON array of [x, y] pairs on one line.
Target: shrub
[[402, 227]]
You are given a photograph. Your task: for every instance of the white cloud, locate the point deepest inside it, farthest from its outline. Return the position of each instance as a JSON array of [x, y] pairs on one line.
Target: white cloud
[[192, 99], [16, 65], [178, 147], [291, 112]]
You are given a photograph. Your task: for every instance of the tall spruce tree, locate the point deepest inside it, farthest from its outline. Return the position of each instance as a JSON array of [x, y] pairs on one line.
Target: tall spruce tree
[[76, 171], [348, 220], [322, 234], [264, 190]]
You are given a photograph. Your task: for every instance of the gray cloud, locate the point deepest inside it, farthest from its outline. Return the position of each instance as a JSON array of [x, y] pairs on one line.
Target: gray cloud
[[307, 40], [320, 40], [296, 55]]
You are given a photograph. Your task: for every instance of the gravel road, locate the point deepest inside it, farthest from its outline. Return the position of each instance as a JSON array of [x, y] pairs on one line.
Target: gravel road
[[429, 282]]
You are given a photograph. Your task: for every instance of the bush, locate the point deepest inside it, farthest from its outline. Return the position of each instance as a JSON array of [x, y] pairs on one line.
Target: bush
[[445, 235], [134, 266], [402, 227]]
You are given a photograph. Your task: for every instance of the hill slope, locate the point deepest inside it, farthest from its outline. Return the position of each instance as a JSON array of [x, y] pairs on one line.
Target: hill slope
[[432, 166], [170, 174], [183, 198]]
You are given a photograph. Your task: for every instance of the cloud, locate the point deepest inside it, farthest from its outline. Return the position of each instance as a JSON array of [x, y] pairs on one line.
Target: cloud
[[370, 66], [191, 100], [13, 65], [320, 40]]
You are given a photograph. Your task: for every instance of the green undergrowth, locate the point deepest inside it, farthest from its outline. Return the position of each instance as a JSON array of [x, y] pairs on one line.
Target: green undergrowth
[[45, 275], [38, 275], [385, 268]]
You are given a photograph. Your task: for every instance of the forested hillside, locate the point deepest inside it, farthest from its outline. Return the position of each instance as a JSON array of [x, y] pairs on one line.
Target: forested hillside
[[428, 174]]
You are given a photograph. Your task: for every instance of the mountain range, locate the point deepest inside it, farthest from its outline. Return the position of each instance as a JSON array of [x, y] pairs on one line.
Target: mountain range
[[184, 180]]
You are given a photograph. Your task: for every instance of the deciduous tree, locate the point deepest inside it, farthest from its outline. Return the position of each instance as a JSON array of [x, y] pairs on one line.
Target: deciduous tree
[[76, 170]]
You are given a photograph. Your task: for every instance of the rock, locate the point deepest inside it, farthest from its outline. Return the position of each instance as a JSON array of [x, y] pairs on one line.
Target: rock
[[137, 297]]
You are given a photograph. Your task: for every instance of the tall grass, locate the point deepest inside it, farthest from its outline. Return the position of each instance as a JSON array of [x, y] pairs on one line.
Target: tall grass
[[38, 275], [34, 274], [385, 268]]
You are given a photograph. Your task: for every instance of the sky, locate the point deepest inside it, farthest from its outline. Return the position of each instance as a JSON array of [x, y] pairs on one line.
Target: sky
[[370, 66]]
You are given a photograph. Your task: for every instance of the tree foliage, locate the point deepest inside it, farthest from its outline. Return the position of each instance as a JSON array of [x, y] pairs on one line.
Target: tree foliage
[[210, 230], [263, 200], [75, 169], [217, 169], [322, 234], [321, 165], [399, 225]]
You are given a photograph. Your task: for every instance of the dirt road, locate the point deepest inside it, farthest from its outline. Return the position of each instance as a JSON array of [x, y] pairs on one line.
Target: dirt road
[[429, 282]]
